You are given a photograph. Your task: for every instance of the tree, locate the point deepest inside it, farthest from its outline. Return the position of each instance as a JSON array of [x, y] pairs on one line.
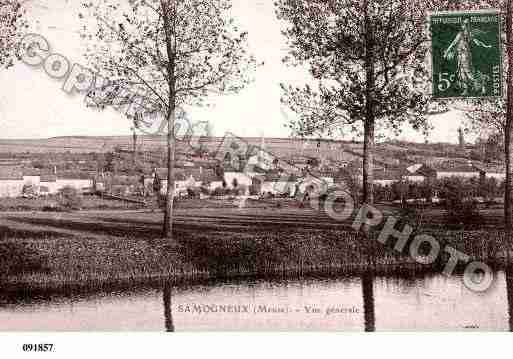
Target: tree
[[70, 198], [12, 21], [367, 63], [163, 54], [497, 115]]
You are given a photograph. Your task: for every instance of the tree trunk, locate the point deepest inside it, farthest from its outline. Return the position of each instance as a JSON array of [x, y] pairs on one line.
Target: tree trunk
[[369, 316], [508, 195], [170, 32], [168, 312], [171, 141], [368, 132]]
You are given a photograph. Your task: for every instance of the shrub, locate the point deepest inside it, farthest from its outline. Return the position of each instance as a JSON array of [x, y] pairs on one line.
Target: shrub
[[193, 192], [462, 209], [70, 199], [413, 216], [204, 190], [220, 192], [29, 191]]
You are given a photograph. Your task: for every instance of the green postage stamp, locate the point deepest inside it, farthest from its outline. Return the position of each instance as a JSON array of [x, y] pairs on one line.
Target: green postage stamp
[[466, 54]]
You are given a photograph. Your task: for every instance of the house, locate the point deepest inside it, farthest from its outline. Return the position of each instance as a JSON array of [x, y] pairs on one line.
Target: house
[[314, 183], [32, 177], [496, 172], [81, 181], [235, 179], [388, 177], [44, 191], [276, 184], [447, 170], [11, 181], [411, 174], [185, 178], [263, 160], [49, 182]]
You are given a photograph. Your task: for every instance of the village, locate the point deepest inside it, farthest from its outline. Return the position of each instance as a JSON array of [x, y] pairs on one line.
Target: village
[[280, 165], [315, 169]]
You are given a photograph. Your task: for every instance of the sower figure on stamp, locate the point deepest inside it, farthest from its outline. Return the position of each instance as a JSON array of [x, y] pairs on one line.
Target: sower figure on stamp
[[461, 49]]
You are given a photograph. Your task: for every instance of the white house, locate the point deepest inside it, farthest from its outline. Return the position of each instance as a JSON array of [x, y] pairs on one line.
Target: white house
[[80, 184], [411, 174], [50, 183], [239, 178], [278, 187], [186, 178], [32, 177], [11, 181], [440, 171]]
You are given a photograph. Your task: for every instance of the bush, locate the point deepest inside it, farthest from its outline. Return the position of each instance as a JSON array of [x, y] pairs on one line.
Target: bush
[[193, 193], [70, 199], [204, 190], [29, 191], [218, 192], [413, 216], [462, 209]]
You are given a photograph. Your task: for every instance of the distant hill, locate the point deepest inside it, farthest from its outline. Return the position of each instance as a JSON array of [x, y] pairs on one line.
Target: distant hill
[[285, 146], [390, 153]]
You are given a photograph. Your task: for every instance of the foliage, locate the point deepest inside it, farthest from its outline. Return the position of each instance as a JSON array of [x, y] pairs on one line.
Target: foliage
[[70, 198], [367, 65], [349, 176], [490, 189], [459, 200], [12, 22], [219, 192], [331, 39], [29, 190], [193, 192], [491, 147], [161, 55]]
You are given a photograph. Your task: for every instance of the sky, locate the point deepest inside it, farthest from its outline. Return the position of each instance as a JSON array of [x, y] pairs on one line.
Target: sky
[[33, 105]]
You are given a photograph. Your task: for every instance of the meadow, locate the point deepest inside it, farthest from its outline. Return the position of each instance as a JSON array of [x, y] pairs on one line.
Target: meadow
[[91, 250], [52, 204]]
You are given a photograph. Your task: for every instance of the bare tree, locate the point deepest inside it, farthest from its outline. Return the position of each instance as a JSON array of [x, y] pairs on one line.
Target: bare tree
[[368, 62], [164, 54]]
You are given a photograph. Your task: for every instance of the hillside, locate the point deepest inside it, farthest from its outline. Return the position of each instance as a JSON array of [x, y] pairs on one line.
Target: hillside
[[390, 153]]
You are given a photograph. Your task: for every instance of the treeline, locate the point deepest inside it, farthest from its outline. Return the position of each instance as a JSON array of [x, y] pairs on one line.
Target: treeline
[[444, 189]]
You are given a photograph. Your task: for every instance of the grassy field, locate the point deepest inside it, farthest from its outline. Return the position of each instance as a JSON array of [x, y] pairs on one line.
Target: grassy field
[[43, 204], [95, 249]]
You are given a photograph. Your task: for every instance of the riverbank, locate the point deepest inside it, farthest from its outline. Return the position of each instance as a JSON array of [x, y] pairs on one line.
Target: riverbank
[[90, 250]]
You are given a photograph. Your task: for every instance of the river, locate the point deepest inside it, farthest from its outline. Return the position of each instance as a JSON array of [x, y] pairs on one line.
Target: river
[[353, 303]]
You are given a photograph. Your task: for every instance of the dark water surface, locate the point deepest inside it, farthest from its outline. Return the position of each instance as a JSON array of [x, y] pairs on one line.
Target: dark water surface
[[363, 302]]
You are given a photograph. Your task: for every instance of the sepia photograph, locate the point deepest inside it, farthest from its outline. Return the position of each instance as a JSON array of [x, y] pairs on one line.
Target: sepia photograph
[[255, 166]]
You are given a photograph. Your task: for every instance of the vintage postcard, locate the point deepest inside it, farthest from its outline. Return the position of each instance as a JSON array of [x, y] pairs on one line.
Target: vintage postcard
[[288, 165]]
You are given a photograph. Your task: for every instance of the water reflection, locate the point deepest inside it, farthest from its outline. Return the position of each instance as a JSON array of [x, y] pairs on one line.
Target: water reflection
[[368, 302], [509, 290], [168, 313], [354, 303]]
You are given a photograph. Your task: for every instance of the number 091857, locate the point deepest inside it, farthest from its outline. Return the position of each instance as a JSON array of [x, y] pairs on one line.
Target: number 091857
[[43, 348]]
